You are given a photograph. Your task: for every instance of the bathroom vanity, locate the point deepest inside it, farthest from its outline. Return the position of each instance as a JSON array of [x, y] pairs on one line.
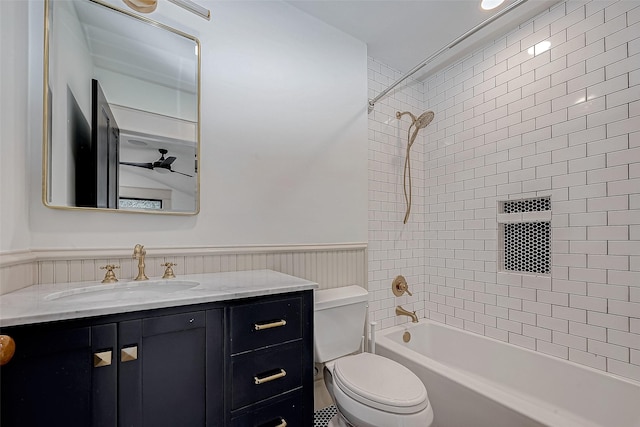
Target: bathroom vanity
[[234, 350]]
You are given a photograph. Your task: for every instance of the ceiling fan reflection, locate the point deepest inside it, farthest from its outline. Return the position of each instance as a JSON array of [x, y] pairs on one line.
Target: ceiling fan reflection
[[160, 165]]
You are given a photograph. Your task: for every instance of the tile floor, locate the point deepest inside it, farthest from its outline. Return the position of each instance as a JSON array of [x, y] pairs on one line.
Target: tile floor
[[322, 417]]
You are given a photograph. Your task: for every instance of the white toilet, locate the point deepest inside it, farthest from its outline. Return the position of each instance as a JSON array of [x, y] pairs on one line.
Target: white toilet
[[368, 390]]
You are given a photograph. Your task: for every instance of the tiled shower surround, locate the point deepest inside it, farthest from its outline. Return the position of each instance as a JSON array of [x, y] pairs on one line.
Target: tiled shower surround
[[516, 121]]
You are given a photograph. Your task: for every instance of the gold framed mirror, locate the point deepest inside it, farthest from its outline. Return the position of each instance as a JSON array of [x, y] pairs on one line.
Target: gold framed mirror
[[121, 111]]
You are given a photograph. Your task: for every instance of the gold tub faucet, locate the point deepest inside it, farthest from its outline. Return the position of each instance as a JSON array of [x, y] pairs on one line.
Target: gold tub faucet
[[402, 312], [138, 253]]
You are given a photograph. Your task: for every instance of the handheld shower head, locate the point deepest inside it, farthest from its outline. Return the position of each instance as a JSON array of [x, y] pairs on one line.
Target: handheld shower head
[[418, 123], [424, 120]]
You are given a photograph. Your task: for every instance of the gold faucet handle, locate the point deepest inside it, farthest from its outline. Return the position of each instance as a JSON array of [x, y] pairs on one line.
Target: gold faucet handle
[[168, 272], [399, 286], [109, 276]]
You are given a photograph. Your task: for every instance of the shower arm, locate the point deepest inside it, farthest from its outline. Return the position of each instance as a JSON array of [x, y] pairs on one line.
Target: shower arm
[[413, 118], [372, 102]]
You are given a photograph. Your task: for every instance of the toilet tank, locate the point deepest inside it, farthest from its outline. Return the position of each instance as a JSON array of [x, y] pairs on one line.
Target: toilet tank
[[339, 316]]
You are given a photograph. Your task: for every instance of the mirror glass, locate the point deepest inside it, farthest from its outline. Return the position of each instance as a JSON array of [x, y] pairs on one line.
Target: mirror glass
[[121, 104]]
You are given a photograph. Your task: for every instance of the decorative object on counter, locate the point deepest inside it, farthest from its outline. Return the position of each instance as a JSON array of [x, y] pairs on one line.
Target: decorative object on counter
[[168, 271], [418, 123], [138, 253], [109, 276], [7, 349], [399, 286], [402, 312]]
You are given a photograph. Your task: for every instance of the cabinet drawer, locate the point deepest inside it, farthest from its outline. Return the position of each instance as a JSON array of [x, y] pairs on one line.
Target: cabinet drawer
[[284, 410], [265, 373], [262, 324]]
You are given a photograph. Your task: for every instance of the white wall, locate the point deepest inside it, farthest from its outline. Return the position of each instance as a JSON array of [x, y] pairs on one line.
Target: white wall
[[283, 137], [14, 210], [508, 125]]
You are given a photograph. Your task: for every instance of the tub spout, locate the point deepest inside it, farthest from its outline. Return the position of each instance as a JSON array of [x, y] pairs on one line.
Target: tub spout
[[402, 312]]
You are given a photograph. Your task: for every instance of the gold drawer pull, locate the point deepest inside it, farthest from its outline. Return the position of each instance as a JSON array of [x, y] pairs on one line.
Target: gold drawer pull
[[283, 423], [127, 354], [258, 327], [102, 358], [280, 374]]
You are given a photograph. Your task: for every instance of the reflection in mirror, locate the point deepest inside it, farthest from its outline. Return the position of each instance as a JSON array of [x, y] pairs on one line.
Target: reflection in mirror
[[121, 105]]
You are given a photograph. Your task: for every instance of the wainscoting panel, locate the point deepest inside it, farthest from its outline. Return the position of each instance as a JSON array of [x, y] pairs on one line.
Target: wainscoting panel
[[329, 265]]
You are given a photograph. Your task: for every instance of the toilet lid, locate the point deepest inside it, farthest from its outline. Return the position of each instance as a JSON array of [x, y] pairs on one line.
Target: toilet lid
[[380, 383]]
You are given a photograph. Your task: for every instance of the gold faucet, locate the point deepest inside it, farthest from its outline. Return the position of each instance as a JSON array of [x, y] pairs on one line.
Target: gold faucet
[[138, 253], [109, 276], [168, 271], [402, 312]]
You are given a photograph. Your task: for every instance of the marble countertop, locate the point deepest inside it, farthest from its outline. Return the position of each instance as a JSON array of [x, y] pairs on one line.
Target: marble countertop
[[52, 302]]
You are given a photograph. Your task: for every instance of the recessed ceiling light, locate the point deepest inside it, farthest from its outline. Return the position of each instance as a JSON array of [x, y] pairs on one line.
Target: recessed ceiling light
[[490, 4]]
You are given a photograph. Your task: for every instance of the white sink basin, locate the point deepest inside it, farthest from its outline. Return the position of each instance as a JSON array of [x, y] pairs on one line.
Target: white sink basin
[[117, 291]]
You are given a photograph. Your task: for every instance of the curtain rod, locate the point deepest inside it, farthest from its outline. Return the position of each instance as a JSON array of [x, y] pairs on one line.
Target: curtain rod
[[372, 102]]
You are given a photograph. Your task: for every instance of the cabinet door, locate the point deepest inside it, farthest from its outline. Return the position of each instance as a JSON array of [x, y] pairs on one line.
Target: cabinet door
[[51, 377], [165, 385]]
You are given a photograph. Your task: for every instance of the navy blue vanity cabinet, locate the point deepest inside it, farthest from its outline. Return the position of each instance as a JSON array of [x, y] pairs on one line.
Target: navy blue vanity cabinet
[[233, 363], [51, 379], [163, 369], [270, 361]]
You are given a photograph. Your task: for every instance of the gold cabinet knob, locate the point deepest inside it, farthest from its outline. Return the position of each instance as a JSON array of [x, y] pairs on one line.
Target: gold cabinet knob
[[168, 272], [7, 349], [102, 358], [109, 276], [128, 354]]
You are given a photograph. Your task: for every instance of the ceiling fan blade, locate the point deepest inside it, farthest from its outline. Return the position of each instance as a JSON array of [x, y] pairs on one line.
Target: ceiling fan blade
[[168, 161], [140, 165], [190, 176]]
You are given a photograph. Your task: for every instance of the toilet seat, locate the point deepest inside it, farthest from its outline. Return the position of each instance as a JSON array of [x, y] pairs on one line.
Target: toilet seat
[[380, 383]]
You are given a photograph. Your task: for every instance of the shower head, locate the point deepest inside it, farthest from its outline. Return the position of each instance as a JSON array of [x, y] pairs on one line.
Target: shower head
[[424, 120], [420, 122]]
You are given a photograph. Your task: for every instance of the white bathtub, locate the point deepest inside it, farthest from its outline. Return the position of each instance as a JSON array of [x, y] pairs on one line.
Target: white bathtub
[[474, 381]]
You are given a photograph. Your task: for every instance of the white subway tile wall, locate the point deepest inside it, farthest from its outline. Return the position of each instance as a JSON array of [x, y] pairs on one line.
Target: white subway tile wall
[[514, 123], [395, 248]]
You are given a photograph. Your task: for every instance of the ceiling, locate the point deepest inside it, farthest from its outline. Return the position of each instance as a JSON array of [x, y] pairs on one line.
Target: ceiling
[[125, 45], [401, 33]]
